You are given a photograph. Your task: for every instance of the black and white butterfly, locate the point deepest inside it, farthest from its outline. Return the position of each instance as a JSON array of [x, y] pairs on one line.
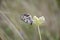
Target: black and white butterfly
[[27, 18]]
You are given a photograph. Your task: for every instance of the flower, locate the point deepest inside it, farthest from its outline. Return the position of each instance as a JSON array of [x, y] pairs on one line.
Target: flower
[[38, 21]]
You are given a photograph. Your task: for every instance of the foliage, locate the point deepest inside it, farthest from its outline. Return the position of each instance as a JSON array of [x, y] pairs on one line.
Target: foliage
[[12, 28]]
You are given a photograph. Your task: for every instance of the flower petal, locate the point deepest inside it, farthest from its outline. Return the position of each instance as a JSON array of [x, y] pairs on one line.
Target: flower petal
[[42, 19]]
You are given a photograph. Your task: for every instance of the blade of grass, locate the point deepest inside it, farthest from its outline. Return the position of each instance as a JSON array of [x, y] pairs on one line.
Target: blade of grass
[[11, 26]]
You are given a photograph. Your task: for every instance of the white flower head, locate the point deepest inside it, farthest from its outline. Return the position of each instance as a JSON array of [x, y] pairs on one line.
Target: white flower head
[[38, 21]]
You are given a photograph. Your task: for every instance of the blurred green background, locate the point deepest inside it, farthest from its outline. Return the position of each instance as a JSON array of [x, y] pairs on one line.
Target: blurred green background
[[13, 28]]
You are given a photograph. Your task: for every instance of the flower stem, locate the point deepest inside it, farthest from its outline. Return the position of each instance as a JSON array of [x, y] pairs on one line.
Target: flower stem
[[39, 33]]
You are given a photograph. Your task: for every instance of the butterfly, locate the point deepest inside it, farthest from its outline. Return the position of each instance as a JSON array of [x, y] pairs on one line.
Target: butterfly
[[27, 18]]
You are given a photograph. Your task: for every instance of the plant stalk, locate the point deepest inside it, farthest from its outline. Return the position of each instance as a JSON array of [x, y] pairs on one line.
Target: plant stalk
[[39, 33]]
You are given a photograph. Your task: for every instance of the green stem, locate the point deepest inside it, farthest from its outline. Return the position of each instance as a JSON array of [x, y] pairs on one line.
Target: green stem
[[39, 33]]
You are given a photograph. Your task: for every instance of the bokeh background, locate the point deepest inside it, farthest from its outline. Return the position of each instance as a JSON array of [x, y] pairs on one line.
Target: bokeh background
[[13, 28]]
